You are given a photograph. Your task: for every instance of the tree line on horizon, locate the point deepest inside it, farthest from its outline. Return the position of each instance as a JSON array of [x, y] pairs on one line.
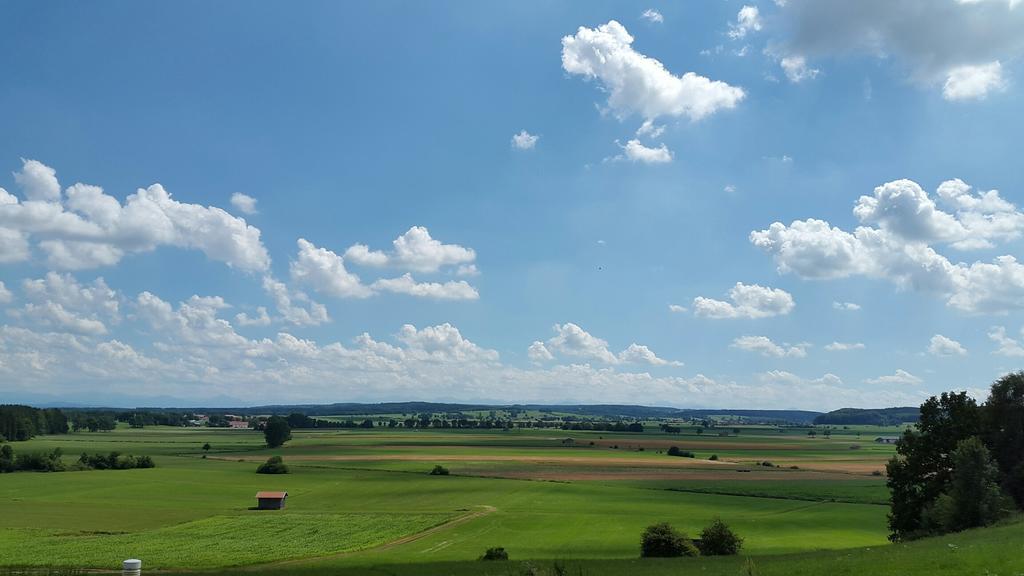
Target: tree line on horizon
[[19, 423]]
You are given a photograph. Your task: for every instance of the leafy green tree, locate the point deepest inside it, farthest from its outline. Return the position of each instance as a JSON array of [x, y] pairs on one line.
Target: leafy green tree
[[922, 467], [663, 541], [6, 458], [974, 497], [206, 447], [717, 539], [439, 470], [277, 432], [1004, 431]]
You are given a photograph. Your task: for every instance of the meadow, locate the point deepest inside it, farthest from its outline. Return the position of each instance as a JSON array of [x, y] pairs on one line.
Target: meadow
[[360, 500]]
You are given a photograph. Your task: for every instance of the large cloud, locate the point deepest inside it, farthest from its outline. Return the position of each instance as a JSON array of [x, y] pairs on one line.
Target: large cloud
[[59, 301], [639, 84], [900, 248], [86, 228], [950, 43], [325, 272]]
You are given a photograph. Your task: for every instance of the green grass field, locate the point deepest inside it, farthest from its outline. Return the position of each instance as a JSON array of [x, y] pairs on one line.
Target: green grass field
[[360, 499]]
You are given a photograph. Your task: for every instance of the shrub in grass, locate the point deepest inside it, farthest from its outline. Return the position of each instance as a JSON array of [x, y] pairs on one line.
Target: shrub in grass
[[439, 471], [675, 451], [273, 465], [496, 553], [663, 541], [713, 457], [717, 539], [39, 461]]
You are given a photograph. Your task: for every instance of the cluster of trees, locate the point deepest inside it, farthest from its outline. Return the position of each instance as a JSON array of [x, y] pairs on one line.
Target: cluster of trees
[[664, 541], [113, 461], [53, 461], [676, 451], [93, 421], [18, 423], [962, 466], [30, 461], [143, 418]]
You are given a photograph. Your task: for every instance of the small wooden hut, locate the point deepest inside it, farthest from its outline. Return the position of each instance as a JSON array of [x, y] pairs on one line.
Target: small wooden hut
[[270, 500]]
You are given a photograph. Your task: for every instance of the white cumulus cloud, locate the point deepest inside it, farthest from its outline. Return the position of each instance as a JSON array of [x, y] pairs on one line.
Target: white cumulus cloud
[[943, 346], [324, 271], [638, 84], [245, 204], [900, 246], [405, 284], [747, 20], [86, 228], [635, 151], [764, 346], [747, 301], [844, 346], [973, 82], [573, 341], [796, 69], [899, 377], [524, 140], [1007, 346], [653, 16], [414, 250]]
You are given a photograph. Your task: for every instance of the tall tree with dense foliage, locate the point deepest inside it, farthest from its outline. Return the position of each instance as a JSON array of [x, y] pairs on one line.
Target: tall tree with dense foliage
[[1004, 432], [974, 497], [922, 468], [277, 432]]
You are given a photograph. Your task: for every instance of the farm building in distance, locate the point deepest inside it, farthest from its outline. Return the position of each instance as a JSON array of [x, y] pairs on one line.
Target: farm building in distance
[[887, 439], [270, 500]]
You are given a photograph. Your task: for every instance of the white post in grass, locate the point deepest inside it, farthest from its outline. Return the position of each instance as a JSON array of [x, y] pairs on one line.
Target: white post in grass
[[131, 567]]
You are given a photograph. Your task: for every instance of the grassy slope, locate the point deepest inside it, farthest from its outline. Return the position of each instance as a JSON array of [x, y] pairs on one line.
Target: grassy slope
[[989, 551]]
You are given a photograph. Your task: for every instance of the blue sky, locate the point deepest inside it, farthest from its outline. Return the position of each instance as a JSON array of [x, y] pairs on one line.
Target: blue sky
[[657, 144]]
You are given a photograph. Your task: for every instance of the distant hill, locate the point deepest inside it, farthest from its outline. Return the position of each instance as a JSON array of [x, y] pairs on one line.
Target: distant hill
[[873, 417]]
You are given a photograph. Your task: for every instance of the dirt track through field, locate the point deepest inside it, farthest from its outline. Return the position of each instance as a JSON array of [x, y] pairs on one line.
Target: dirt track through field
[[484, 511]]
